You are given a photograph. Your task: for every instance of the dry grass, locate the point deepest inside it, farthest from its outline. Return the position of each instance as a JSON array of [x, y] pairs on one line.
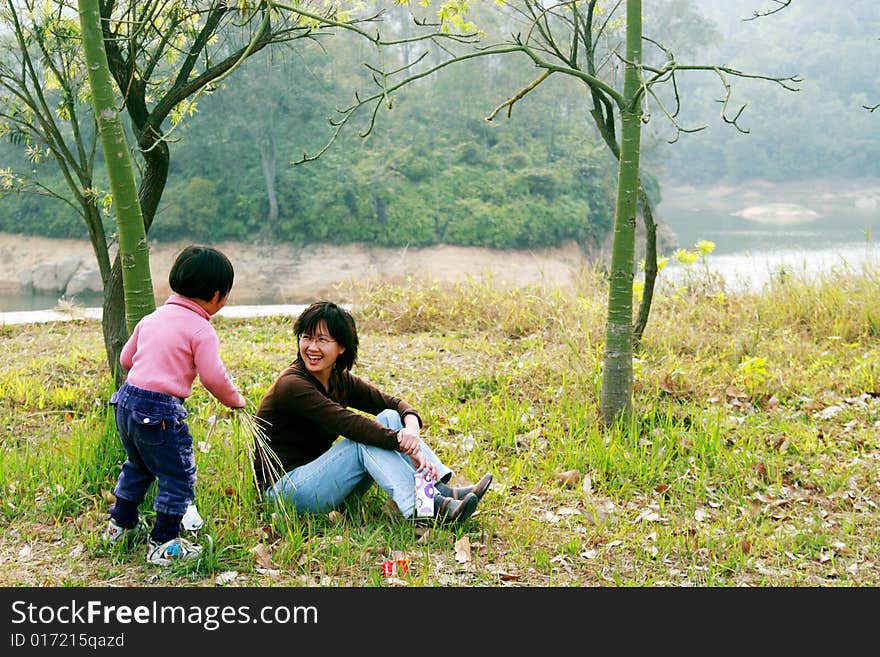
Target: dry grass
[[752, 458]]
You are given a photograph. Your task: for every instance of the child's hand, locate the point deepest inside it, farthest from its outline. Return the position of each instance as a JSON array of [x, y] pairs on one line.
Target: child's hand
[[230, 411]]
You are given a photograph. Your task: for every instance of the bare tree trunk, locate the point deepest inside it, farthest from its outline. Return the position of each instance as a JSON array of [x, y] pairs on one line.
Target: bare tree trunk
[[113, 319], [650, 266], [603, 117], [98, 238], [616, 396], [268, 163], [154, 176], [133, 250]]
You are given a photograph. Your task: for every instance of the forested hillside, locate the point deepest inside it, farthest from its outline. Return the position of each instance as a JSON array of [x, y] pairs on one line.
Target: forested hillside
[[822, 131], [432, 171], [435, 171]]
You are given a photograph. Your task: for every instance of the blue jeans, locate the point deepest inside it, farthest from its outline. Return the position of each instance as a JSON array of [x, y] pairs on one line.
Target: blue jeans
[[350, 468], [159, 446]]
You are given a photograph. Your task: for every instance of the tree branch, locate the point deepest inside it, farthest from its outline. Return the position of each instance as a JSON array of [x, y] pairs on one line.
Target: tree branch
[[517, 96], [760, 13]]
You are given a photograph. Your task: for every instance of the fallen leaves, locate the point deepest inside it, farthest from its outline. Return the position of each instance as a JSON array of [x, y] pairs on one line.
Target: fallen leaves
[[502, 573], [761, 471], [829, 412], [735, 396], [531, 441], [225, 577], [396, 581], [269, 533], [262, 556], [569, 478], [779, 443], [648, 515], [550, 517]]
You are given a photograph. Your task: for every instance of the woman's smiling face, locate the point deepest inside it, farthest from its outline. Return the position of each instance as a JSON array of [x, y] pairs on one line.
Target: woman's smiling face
[[319, 351]]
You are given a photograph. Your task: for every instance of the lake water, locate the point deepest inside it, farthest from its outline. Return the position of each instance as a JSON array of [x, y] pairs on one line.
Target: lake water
[[15, 302], [806, 228]]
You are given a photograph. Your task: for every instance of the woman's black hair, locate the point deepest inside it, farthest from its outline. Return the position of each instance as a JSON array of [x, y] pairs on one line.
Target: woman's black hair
[[340, 324], [199, 272]]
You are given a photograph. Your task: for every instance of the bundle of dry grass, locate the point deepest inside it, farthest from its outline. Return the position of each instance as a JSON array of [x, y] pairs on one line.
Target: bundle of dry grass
[[258, 451]]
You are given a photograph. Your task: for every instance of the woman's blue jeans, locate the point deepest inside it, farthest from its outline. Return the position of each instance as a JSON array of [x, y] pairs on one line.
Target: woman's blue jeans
[[350, 468]]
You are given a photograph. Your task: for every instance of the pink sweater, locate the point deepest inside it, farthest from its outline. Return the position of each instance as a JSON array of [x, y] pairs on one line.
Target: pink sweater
[[172, 345]]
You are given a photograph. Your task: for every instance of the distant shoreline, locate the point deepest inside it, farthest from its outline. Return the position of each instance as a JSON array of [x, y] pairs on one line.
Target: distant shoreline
[[815, 195], [76, 313], [287, 274]]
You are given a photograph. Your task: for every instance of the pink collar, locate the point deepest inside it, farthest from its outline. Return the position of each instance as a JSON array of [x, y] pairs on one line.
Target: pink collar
[[189, 304]]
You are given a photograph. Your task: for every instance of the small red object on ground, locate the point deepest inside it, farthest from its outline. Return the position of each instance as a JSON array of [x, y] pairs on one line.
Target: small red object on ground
[[395, 567]]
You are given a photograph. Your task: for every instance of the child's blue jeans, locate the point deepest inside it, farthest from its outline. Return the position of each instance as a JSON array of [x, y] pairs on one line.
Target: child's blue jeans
[[159, 446]]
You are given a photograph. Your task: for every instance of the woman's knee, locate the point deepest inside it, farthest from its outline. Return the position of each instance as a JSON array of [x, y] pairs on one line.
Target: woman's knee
[[390, 418]]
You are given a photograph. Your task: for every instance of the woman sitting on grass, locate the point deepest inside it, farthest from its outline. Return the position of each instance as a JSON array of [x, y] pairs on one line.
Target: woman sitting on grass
[[309, 406]]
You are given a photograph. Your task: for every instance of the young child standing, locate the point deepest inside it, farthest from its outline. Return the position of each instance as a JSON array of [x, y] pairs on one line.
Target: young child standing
[[166, 351]]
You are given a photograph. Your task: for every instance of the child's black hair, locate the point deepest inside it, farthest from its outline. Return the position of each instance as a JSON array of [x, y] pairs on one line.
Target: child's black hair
[[340, 324], [199, 272]]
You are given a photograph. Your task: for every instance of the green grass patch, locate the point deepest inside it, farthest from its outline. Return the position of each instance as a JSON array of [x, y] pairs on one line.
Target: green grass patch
[[751, 457]]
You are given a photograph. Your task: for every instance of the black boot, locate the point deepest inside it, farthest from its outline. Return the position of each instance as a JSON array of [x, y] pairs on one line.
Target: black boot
[[479, 489], [450, 511]]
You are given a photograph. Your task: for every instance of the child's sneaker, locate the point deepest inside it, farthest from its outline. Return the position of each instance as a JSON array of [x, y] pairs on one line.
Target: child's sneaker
[[116, 532], [169, 552]]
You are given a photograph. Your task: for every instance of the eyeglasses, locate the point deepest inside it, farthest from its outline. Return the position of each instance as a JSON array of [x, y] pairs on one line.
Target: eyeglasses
[[320, 340]]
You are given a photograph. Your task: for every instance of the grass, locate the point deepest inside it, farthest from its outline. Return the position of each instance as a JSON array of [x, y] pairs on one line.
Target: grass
[[751, 458]]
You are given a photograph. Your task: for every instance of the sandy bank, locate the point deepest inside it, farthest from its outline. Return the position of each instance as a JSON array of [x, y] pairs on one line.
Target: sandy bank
[[284, 274]]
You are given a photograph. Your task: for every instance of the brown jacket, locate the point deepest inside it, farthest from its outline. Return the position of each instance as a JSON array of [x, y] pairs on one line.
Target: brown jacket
[[302, 420]]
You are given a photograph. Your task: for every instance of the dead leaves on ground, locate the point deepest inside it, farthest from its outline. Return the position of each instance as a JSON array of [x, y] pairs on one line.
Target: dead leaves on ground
[[569, 478], [263, 557]]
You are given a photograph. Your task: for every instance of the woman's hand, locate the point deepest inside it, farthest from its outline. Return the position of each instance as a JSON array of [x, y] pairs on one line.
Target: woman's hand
[[421, 463], [409, 441]]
